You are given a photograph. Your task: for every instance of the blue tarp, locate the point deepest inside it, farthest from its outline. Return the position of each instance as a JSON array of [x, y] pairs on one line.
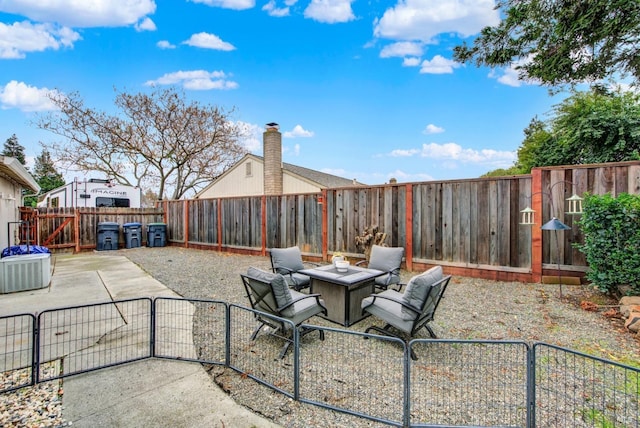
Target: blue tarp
[[18, 250]]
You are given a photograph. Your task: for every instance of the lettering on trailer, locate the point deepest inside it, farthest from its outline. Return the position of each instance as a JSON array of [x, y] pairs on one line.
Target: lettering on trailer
[[109, 192]]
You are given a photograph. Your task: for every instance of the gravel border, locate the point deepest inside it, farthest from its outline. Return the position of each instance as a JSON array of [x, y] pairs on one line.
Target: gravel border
[[471, 309]]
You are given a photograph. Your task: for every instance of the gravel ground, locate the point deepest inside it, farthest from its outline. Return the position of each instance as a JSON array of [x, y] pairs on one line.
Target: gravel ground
[[471, 309]]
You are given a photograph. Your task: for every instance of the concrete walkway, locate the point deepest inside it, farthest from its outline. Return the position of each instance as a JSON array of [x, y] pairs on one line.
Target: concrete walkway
[[146, 393]]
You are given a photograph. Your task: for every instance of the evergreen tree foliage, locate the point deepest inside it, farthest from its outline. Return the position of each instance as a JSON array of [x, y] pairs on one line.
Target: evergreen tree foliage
[[14, 149], [46, 175]]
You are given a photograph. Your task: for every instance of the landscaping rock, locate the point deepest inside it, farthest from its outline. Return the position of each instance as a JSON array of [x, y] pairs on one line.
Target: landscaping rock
[[633, 319], [627, 302]]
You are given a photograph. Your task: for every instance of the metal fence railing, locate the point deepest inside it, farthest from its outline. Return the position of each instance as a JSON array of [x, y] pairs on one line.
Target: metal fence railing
[[451, 383], [576, 389]]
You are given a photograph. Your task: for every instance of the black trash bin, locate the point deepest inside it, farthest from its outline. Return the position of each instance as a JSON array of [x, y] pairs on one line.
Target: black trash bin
[[132, 234], [108, 236], [156, 234]]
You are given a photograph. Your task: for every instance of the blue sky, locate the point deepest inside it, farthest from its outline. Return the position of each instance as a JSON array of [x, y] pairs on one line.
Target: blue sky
[[364, 90]]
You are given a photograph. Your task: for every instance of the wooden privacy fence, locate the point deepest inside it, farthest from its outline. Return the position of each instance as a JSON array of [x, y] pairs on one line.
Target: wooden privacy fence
[[75, 229], [471, 227]]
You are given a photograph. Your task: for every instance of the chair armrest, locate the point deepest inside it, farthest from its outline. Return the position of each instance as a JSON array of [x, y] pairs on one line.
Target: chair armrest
[[306, 296], [361, 262], [399, 284], [276, 268], [400, 302], [311, 263]]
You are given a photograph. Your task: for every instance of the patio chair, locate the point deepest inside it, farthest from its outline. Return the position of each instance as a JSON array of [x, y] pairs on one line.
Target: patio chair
[[386, 259], [410, 311], [269, 293], [287, 262]]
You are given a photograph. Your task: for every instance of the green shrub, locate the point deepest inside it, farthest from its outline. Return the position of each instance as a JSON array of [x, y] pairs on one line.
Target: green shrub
[[611, 228]]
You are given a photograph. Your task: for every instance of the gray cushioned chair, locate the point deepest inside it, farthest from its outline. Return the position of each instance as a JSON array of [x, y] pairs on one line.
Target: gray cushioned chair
[[287, 262], [269, 292], [412, 310], [386, 259]]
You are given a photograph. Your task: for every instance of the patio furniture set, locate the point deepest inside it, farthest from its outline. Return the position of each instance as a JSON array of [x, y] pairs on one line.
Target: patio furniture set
[[343, 296]]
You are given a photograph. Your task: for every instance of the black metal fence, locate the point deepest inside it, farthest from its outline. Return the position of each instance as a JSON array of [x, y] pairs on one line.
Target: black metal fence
[[452, 383]]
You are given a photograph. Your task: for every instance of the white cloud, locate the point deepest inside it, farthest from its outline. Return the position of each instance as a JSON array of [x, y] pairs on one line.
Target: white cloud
[[252, 139], [456, 152], [404, 177], [298, 131], [432, 129], [22, 37], [196, 80], [275, 11], [330, 11], [26, 98], [76, 13], [509, 75], [401, 49], [438, 65], [228, 4], [452, 152], [145, 25], [402, 153], [208, 41], [164, 44], [423, 20], [411, 62]]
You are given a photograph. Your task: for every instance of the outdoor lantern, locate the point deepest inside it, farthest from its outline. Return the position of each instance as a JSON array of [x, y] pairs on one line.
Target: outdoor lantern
[[528, 216], [575, 205], [554, 224]]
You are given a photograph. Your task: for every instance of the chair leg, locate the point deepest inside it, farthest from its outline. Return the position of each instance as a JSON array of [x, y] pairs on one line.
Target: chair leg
[[431, 332], [285, 348], [385, 332], [257, 330]]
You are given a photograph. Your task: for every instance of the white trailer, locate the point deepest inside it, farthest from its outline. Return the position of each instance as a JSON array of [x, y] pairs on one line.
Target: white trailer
[[92, 193]]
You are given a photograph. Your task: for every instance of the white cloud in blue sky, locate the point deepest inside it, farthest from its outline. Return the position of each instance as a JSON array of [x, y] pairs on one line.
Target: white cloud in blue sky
[[25, 97], [361, 79], [208, 41]]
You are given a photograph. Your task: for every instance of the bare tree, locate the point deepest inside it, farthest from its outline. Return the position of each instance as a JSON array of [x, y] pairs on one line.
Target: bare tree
[[158, 140]]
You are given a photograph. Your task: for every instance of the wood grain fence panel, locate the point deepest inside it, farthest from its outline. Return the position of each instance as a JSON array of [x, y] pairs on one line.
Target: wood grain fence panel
[[633, 178], [473, 222], [175, 220], [418, 225], [503, 222], [273, 224], [455, 221], [493, 223], [400, 217], [464, 218], [446, 225], [524, 231], [484, 224], [621, 180]]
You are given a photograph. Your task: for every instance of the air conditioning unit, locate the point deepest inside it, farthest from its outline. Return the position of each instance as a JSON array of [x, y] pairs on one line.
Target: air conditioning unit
[[24, 272]]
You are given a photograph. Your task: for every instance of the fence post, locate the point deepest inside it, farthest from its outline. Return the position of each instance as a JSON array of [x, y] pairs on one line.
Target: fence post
[[76, 226], [536, 232], [186, 223], [409, 227], [263, 224], [531, 386], [325, 226], [219, 224]]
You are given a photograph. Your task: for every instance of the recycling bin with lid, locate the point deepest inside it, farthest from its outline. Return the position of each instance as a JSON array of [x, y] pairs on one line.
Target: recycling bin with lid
[[156, 234], [107, 236], [132, 234]]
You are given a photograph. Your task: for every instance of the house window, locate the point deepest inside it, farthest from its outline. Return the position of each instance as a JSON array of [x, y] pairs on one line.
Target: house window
[[55, 202], [248, 169]]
